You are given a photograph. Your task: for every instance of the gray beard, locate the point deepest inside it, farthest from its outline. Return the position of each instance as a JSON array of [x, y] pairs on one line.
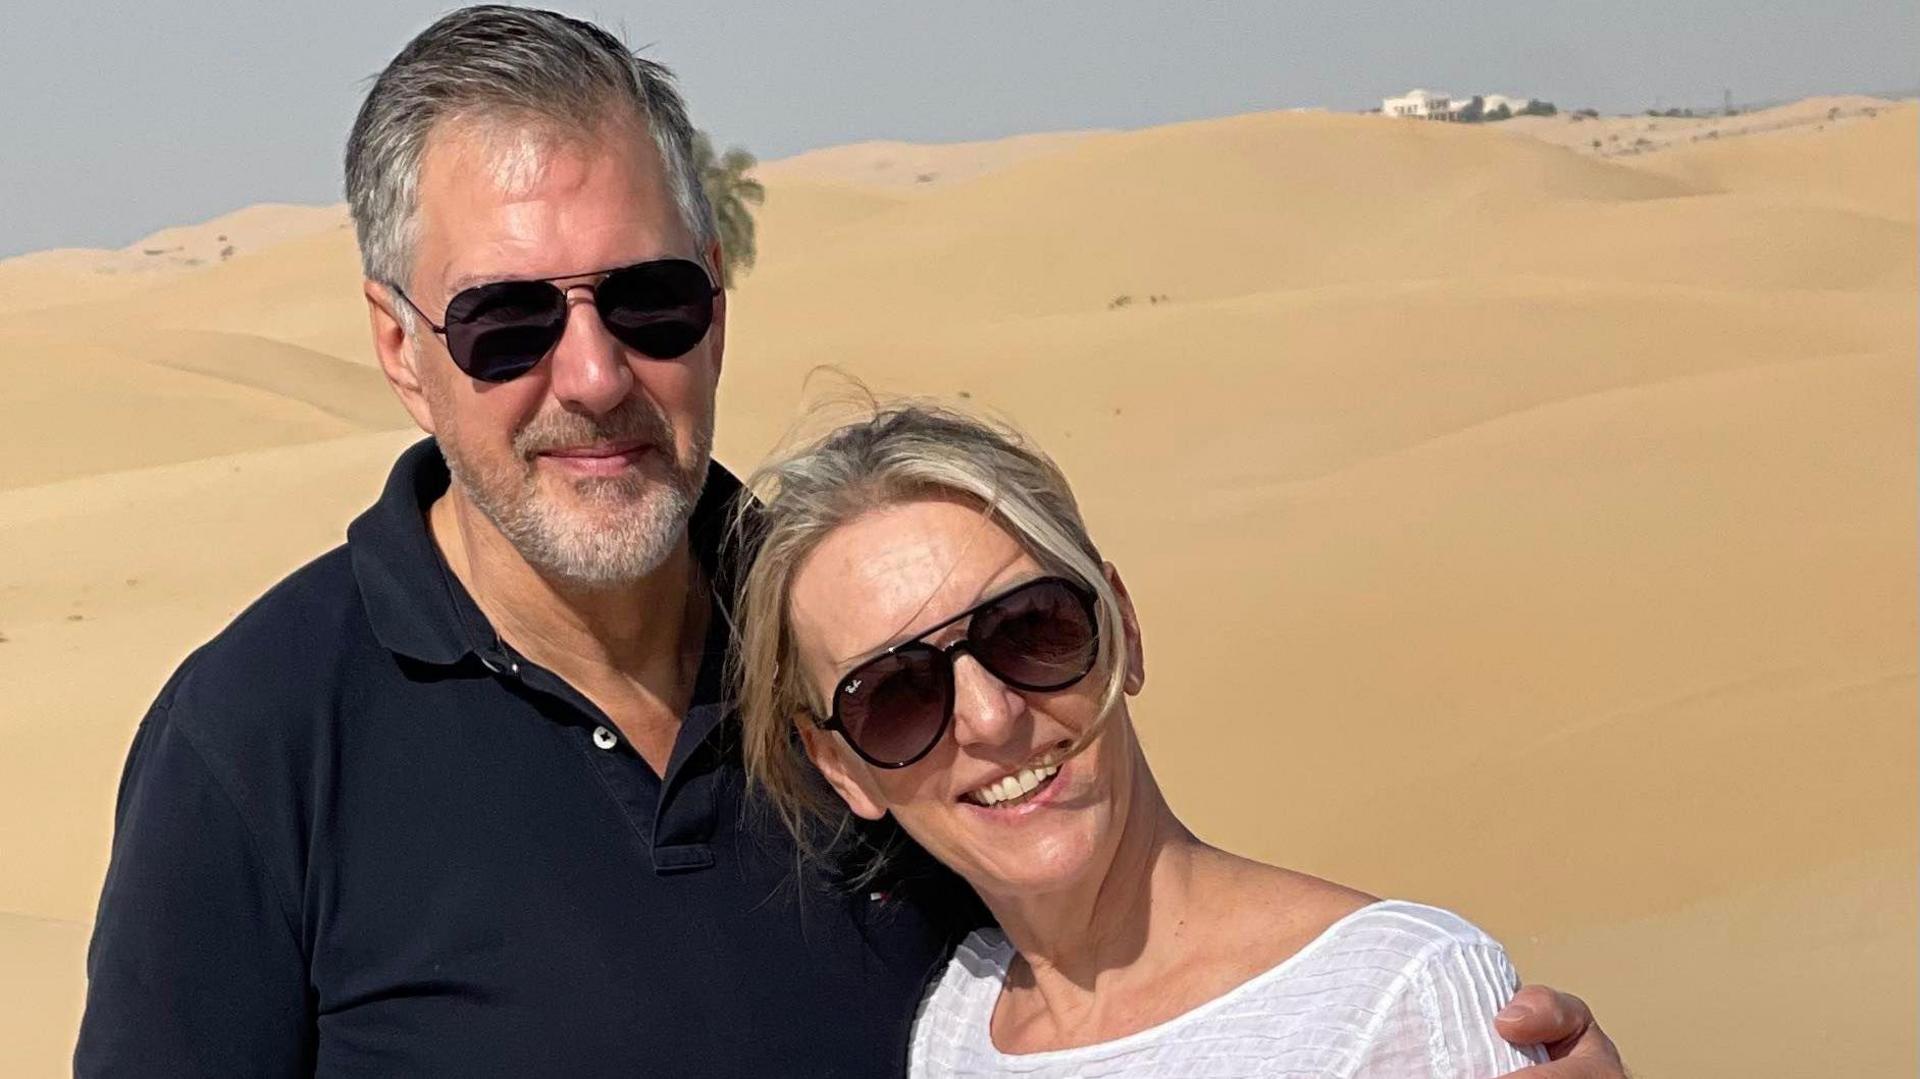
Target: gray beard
[[623, 528]]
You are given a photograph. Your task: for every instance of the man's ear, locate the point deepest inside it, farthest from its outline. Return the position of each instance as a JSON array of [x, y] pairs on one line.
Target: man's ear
[[835, 762], [398, 360], [717, 262], [1130, 625]]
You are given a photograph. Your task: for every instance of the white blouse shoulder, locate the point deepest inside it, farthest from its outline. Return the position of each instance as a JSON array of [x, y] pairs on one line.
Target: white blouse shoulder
[[1393, 989]]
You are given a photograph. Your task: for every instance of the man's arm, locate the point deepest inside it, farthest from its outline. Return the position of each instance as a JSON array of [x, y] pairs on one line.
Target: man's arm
[[1560, 1022], [196, 966]]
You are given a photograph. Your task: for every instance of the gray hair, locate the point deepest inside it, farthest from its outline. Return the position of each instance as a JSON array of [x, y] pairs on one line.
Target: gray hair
[[903, 452], [517, 64]]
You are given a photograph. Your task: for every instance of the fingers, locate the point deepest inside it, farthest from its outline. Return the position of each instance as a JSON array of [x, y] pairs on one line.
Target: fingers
[[1563, 1024], [1572, 1069], [1538, 1015]]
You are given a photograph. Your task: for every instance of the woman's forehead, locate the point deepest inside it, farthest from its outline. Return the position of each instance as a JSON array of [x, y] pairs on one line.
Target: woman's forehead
[[877, 578]]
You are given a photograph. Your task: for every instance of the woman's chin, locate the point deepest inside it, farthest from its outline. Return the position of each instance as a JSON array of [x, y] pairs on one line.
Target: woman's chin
[[1003, 883], [1037, 858], [1046, 840]]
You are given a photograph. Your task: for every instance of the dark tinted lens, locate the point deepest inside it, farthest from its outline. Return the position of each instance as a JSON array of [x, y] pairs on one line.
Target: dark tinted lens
[[660, 309], [894, 708], [1040, 637], [500, 331]]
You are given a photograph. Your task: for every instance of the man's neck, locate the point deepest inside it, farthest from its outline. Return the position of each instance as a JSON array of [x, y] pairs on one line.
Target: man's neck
[[632, 648]]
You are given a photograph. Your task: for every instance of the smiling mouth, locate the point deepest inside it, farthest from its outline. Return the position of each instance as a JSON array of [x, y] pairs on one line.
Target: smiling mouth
[[603, 450], [606, 459], [1015, 789]]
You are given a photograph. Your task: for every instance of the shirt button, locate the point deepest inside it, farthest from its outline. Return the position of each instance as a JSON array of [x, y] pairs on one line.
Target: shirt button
[[605, 738]]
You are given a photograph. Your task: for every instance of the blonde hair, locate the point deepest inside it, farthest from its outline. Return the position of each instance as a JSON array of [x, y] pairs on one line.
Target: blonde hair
[[902, 453]]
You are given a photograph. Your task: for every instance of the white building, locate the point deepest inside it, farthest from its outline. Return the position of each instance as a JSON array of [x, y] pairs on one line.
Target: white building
[[1421, 105], [1427, 105]]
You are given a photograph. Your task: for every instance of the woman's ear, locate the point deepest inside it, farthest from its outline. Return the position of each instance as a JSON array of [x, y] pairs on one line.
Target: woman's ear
[[1130, 625], [840, 767]]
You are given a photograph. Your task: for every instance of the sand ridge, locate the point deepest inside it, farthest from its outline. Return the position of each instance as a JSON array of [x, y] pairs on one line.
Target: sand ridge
[[47, 278], [1514, 527], [1641, 134], [894, 164]]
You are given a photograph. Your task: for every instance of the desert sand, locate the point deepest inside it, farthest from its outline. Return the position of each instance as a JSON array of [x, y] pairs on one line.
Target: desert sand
[[1515, 527], [1614, 136]]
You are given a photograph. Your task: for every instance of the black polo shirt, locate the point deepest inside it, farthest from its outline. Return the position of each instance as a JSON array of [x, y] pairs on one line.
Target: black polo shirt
[[358, 836]]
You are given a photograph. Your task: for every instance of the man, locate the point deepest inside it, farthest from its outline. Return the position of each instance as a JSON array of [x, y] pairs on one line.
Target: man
[[461, 797]]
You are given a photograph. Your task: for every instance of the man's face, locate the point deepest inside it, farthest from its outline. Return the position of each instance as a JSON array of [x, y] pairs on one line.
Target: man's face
[[591, 462]]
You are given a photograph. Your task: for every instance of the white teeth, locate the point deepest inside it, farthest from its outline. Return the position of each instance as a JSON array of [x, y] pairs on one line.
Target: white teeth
[[1014, 786]]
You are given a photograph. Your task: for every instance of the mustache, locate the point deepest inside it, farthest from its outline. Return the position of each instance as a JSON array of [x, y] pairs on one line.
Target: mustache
[[634, 420]]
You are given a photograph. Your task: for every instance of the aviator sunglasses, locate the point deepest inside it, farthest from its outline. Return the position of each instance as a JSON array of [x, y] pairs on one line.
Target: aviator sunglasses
[[1040, 636], [501, 330]]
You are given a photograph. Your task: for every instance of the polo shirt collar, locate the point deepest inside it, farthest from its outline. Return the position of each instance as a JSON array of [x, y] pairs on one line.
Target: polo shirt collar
[[418, 609]]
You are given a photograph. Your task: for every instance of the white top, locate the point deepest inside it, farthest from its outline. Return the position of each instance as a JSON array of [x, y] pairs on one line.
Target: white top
[[1393, 989]]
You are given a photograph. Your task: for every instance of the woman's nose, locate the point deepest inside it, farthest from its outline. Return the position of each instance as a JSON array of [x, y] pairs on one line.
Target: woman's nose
[[590, 370], [986, 711]]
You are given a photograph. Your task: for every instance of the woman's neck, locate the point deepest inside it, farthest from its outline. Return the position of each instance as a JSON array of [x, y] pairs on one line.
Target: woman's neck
[[1124, 928]]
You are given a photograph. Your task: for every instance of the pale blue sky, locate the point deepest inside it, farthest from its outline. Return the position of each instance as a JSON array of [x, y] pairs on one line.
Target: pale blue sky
[[124, 117]]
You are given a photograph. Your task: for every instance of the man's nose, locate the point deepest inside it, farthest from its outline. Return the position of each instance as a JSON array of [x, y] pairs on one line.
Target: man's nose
[[590, 369], [986, 711]]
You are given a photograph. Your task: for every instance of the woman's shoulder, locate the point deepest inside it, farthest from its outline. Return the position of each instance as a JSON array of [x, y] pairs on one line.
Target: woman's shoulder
[[1434, 981], [1295, 912], [1384, 958], [1395, 937], [1414, 926]]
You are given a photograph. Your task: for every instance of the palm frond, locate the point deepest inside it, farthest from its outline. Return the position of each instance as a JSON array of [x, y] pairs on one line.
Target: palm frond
[[730, 191]]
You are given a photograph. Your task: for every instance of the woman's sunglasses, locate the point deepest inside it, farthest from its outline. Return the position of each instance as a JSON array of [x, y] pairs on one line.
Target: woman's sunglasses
[[893, 709], [501, 330]]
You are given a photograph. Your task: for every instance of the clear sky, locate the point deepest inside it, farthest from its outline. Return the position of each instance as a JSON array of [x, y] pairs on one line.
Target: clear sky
[[124, 117]]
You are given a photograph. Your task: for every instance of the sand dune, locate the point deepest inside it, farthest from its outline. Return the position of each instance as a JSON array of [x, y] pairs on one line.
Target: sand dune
[[1514, 527], [240, 232], [906, 164], [290, 292], [66, 276], [1639, 134], [1857, 166], [1318, 200], [79, 274], [37, 987], [123, 398], [816, 215], [266, 349]]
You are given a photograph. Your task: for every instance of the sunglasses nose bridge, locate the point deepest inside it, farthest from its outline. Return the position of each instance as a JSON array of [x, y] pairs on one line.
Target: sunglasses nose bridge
[[589, 363], [964, 647], [985, 706]]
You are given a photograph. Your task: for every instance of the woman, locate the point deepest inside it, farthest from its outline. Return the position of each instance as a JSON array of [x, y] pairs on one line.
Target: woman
[[925, 606]]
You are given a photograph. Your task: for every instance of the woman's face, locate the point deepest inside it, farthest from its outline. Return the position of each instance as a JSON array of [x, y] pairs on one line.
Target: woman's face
[[885, 578]]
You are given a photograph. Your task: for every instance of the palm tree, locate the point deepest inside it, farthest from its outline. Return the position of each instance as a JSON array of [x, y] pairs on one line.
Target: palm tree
[[731, 191]]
